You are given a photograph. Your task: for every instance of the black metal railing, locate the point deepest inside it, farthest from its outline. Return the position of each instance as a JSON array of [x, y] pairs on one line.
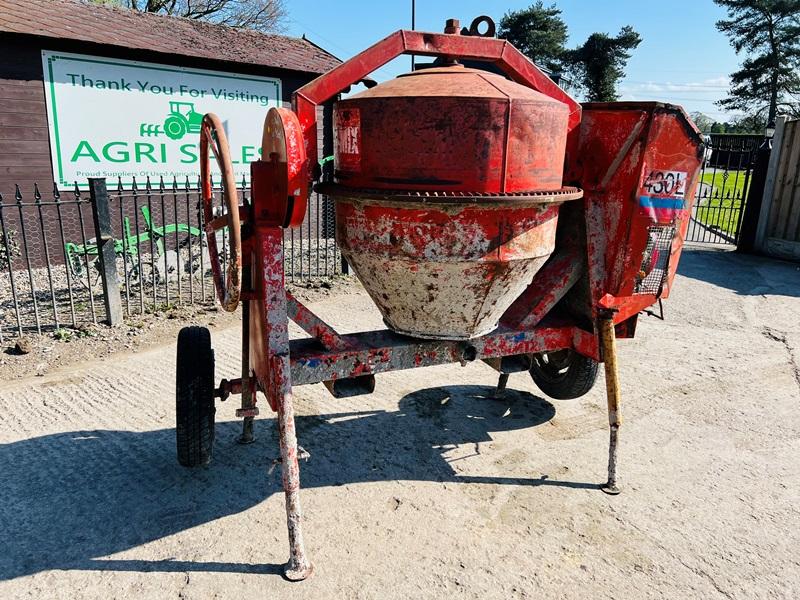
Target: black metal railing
[[50, 275], [722, 190], [36, 286]]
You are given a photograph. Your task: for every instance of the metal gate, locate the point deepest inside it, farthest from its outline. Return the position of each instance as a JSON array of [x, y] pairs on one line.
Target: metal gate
[[725, 180]]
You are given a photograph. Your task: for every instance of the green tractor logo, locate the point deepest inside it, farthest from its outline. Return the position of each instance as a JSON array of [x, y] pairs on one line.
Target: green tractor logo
[[182, 119]]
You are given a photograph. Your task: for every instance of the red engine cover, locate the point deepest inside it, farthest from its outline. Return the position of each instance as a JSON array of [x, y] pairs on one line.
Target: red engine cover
[[451, 129]]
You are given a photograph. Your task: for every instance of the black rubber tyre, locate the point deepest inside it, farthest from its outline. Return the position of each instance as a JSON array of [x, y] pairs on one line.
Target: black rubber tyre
[[564, 374], [194, 397]]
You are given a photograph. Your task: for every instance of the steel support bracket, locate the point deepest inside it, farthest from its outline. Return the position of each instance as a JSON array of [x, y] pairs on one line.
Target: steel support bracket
[[247, 412]]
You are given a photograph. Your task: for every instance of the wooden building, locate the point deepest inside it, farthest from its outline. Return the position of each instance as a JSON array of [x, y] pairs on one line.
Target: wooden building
[[31, 28]]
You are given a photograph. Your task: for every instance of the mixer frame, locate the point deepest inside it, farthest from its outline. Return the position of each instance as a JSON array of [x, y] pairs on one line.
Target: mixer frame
[[347, 364]]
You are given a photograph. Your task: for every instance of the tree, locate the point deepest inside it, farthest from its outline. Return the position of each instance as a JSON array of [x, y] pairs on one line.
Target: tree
[[703, 122], [741, 124], [263, 15], [747, 124], [600, 62], [768, 32], [538, 32]]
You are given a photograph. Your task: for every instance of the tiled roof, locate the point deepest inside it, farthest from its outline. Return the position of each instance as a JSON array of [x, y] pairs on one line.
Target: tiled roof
[[75, 20]]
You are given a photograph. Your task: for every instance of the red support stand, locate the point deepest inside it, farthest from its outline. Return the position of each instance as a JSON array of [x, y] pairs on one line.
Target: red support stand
[[279, 388]]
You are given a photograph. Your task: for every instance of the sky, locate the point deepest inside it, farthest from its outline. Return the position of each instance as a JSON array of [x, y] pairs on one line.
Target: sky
[[682, 59]]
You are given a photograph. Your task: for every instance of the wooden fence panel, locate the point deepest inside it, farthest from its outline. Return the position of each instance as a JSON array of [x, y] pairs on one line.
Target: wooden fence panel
[[782, 232]]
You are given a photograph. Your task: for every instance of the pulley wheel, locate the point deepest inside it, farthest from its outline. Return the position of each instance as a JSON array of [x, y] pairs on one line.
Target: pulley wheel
[[222, 217], [282, 142]]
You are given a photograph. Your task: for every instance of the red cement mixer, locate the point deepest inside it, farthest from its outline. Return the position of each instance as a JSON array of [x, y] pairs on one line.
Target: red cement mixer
[[489, 217]]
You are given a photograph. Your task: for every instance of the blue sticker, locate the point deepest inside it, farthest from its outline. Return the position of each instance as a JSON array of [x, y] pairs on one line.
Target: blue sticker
[[668, 203]]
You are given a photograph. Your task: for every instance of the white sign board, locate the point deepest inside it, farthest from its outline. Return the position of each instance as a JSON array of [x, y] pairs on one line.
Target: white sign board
[[124, 119]]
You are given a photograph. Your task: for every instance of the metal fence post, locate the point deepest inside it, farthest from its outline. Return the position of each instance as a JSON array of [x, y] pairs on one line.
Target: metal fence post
[[101, 215], [748, 217]]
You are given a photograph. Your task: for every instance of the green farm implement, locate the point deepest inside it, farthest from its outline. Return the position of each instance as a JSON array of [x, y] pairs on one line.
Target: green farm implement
[[83, 259]]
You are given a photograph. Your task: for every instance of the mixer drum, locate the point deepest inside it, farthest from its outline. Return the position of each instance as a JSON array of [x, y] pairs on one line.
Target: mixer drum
[[445, 271], [451, 129], [448, 183]]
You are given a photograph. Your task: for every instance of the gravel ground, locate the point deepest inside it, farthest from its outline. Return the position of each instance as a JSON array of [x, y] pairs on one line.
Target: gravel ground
[[428, 488]]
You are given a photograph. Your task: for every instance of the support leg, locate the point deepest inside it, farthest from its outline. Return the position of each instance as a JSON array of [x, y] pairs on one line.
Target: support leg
[[247, 436], [500, 390], [609, 347], [248, 399], [276, 329], [298, 567]]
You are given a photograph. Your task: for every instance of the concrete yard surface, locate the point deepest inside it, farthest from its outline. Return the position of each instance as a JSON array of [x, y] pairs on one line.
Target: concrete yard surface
[[430, 488]]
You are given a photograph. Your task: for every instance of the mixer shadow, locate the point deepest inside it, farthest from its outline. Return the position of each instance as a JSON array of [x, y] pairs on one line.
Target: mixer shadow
[[102, 492]]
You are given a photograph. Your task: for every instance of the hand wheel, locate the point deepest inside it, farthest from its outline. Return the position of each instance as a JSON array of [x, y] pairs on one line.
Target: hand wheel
[[226, 269]]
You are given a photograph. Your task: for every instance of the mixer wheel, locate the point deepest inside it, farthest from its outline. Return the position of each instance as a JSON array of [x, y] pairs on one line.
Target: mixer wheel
[[564, 374], [194, 397]]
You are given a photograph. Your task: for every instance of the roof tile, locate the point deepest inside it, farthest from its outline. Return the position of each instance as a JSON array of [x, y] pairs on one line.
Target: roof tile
[[168, 35]]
